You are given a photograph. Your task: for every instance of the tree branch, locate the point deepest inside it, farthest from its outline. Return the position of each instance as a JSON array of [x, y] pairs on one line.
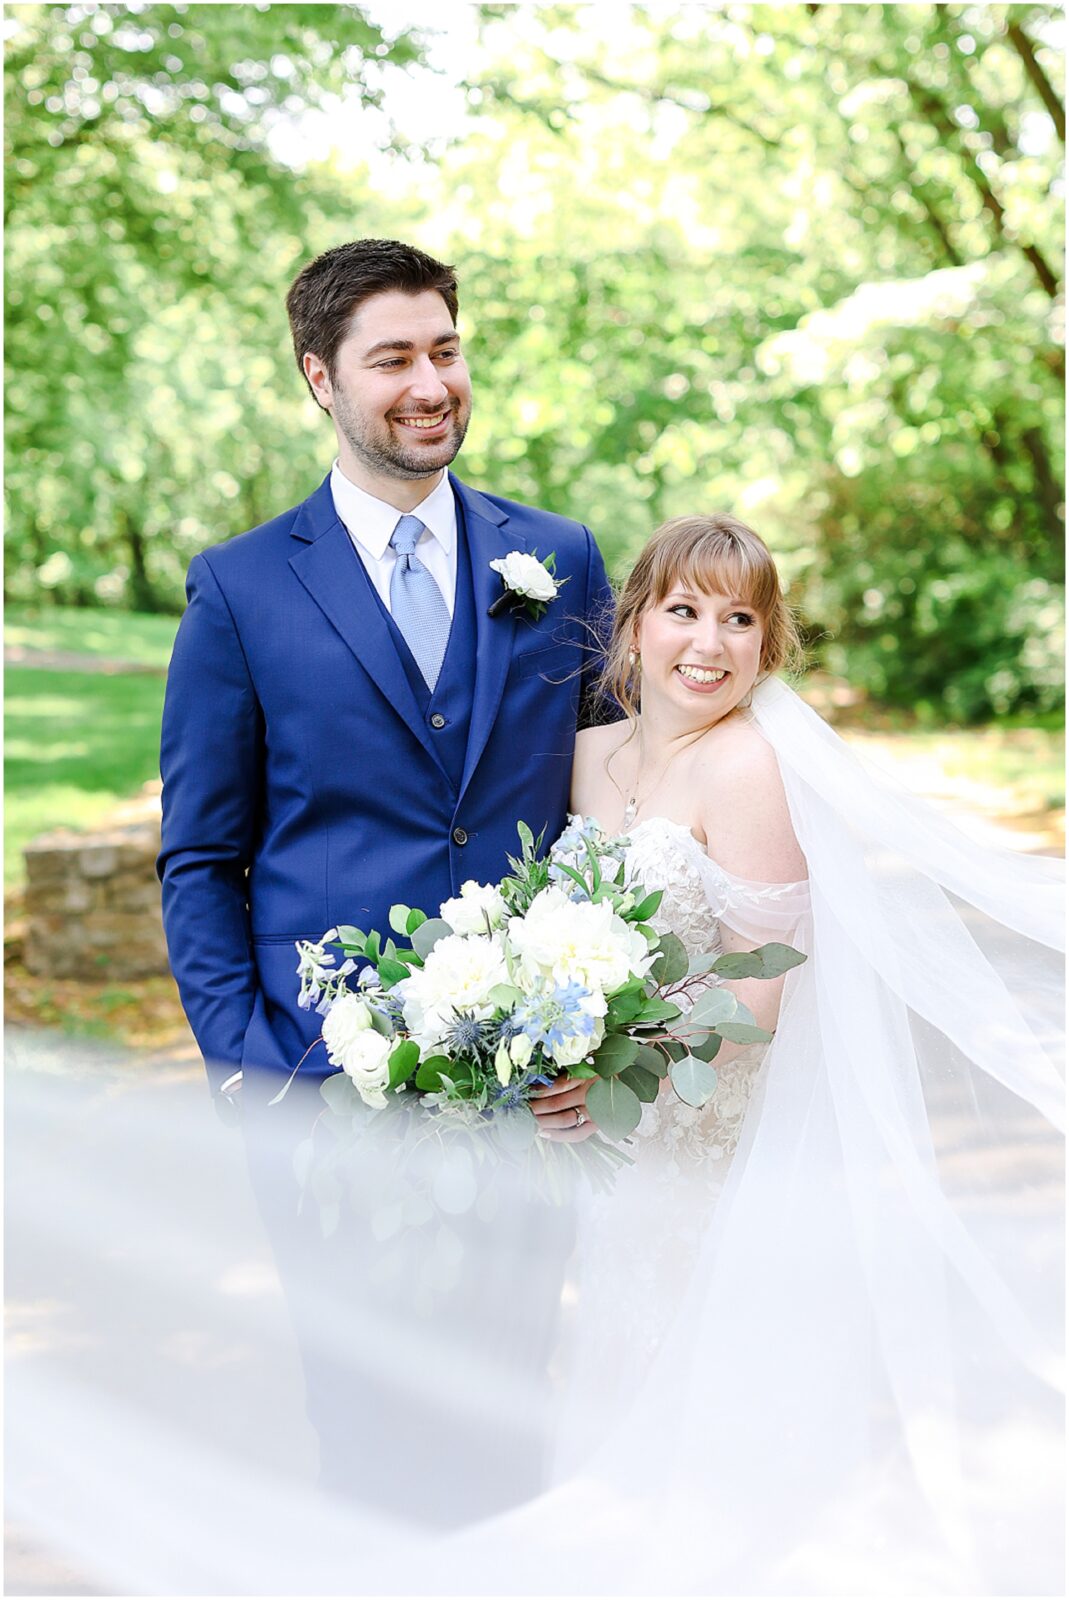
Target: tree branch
[[1042, 84], [934, 112]]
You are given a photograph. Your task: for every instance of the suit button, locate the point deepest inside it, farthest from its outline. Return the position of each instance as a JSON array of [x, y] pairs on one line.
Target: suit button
[[437, 720], [459, 836]]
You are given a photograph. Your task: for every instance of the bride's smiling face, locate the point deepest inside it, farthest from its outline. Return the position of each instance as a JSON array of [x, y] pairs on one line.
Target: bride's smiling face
[[700, 653]]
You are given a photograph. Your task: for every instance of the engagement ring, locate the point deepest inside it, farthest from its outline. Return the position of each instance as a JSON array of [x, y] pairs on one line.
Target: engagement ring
[[579, 1118]]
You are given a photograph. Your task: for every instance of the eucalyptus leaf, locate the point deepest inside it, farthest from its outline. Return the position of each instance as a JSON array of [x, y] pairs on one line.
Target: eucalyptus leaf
[[697, 966], [646, 1084], [415, 920], [380, 1023], [694, 1081], [615, 1108], [706, 1049], [351, 939], [743, 1033], [616, 1053], [657, 1011], [713, 1007], [651, 1059], [672, 962], [768, 961], [399, 916], [427, 935]]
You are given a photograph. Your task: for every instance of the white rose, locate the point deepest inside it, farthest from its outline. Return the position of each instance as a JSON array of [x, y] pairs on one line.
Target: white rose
[[526, 575], [367, 1062], [347, 1017], [576, 1048], [578, 942], [458, 975], [476, 904]]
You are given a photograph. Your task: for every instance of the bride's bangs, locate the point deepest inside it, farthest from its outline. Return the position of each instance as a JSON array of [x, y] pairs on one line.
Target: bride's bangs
[[714, 555]]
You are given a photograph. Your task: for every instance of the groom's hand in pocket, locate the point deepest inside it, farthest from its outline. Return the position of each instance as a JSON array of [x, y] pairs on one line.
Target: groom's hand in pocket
[[560, 1110]]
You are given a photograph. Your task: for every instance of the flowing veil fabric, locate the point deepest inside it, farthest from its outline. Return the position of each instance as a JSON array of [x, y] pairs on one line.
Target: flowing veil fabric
[[851, 1384]]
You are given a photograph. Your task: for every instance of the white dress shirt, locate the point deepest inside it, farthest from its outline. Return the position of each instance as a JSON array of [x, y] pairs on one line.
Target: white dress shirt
[[370, 523]]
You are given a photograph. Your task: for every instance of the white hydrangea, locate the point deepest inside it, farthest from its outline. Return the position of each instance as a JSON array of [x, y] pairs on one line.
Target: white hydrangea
[[476, 904], [578, 942], [357, 1048], [458, 975], [526, 575]]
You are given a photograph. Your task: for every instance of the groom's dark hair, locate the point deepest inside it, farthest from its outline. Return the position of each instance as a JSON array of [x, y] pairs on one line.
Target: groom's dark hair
[[326, 292]]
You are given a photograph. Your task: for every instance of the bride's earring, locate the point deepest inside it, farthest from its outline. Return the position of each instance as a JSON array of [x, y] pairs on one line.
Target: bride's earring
[[632, 657]]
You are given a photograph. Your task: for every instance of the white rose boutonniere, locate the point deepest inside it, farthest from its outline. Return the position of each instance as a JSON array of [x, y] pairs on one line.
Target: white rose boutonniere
[[529, 583]]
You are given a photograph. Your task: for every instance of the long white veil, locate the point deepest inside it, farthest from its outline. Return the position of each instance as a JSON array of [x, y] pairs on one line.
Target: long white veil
[[852, 1388]]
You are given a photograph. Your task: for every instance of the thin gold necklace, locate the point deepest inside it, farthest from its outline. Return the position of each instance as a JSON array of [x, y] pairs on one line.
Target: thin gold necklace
[[632, 801]]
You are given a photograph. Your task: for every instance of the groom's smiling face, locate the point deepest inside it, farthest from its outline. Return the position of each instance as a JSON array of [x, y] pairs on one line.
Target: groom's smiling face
[[400, 394]]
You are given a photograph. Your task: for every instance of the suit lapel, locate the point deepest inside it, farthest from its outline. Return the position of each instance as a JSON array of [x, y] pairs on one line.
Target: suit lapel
[[488, 540], [331, 571]]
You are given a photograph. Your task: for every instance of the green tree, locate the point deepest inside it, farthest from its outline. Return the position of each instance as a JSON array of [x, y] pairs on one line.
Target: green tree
[[152, 406]]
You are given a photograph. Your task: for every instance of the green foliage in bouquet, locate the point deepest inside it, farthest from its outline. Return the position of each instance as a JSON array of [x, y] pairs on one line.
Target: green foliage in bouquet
[[558, 968]]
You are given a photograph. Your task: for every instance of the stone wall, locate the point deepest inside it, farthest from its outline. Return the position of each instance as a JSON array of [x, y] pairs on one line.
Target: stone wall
[[92, 904]]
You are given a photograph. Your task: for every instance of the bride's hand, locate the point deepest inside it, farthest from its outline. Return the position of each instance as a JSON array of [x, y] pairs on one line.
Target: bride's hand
[[559, 1108]]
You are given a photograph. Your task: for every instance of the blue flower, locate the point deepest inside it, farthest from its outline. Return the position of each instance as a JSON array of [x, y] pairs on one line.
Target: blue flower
[[555, 1015]]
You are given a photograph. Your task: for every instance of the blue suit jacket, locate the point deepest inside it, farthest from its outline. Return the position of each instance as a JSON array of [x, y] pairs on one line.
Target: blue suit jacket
[[301, 787]]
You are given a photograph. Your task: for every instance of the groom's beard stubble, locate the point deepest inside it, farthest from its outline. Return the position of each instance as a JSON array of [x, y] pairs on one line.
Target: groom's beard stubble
[[382, 452]]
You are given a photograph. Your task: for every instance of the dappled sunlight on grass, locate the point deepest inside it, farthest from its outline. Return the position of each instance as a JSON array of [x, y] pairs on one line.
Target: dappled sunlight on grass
[[76, 744], [122, 635]]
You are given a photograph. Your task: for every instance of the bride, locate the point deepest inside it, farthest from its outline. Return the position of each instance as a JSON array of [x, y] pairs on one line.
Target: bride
[[811, 1334], [842, 1272]]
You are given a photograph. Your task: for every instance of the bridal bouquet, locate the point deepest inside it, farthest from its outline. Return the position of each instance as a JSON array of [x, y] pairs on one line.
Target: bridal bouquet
[[557, 968]]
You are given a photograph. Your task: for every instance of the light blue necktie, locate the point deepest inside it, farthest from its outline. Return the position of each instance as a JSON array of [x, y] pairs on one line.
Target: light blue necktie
[[416, 602]]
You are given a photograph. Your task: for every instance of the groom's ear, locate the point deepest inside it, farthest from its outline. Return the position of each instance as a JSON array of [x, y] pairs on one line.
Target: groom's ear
[[318, 379]]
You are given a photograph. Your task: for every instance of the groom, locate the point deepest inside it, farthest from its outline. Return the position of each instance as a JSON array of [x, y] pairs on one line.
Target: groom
[[351, 721]]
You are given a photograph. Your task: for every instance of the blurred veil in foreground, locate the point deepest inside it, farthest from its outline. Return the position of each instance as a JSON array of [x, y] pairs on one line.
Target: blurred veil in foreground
[[159, 1431], [341, 1358]]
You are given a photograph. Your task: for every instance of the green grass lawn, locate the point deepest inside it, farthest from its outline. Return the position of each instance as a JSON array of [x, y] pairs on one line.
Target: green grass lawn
[[76, 744], [122, 635]]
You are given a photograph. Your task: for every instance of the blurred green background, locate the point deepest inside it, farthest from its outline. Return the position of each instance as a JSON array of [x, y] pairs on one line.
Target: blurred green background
[[801, 262]]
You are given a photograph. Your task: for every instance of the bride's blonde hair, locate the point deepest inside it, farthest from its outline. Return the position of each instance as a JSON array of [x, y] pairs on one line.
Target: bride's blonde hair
[[714, 554]]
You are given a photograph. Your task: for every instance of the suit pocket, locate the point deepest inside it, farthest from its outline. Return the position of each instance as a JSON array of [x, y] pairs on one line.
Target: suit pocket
[[553, 663]]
